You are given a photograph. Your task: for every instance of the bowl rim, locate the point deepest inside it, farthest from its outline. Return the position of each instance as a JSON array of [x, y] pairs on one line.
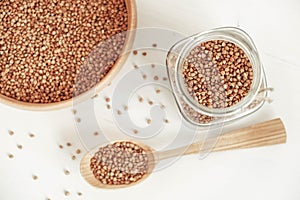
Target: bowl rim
[[106, 81]]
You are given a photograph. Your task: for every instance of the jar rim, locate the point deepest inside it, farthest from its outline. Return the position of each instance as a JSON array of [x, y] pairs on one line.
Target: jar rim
[[243, 41]]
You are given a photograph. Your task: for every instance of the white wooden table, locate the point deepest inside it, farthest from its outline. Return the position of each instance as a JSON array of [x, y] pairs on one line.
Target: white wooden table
[[260, 174]]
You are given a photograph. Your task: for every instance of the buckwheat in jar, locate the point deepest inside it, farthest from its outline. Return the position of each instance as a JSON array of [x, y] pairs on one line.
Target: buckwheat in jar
[[217, 76]]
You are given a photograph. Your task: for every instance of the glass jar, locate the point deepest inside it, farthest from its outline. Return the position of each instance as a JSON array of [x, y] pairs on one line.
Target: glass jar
[[199, 114]]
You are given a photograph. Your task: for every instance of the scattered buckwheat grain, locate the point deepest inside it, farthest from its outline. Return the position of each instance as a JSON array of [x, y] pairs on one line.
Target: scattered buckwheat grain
[[31, 135], [141, 99], [66, 172], [148, 121], [119, 112], [96, 134], [11, 156], [135, 52], [150, 102], [35, 177], [78, 151], [66, 193]]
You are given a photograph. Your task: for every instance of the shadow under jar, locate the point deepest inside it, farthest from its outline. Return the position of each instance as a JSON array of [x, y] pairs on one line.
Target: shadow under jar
[[217, 76]]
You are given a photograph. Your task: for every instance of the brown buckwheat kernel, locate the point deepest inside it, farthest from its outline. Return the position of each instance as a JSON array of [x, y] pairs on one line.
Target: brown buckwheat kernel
[[96, 133], [148, 121], [31, 135], [35, 177], [67, 193], [78, 151], [11, 156], [135, 52], [141, 99], [150, 102], [11, 132], [66, 172]]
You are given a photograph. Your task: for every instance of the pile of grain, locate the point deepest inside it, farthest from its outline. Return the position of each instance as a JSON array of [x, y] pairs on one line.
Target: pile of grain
[[53, 50], [217, 74], [121, 163]]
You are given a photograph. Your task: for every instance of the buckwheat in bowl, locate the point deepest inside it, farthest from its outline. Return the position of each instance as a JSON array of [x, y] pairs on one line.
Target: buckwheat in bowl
[[54, 52]]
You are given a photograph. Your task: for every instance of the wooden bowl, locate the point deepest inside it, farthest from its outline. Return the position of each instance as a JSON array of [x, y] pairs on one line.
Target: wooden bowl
[[132, 23]]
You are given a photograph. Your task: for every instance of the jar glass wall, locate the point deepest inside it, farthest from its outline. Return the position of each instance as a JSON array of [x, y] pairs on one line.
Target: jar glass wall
[[201, 115]]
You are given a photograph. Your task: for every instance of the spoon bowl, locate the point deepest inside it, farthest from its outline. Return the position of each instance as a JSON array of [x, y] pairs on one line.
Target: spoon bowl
[[87, 173]]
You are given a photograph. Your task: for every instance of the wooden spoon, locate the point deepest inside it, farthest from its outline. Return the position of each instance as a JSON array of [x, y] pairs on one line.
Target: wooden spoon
[[263, 134]]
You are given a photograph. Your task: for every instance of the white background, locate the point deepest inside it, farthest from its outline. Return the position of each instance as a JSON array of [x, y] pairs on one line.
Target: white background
[[263, 173]]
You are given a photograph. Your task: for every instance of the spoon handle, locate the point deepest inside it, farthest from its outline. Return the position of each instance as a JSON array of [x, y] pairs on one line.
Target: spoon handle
[[258, 135]]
